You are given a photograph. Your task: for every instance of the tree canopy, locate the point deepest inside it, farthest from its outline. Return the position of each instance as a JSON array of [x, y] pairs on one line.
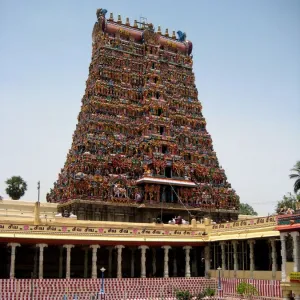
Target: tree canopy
[[289, 201], [16, 187], [296, 176], [246, 209]]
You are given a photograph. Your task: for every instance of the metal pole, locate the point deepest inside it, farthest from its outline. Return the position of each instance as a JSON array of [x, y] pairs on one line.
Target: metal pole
[[102, 283], [219, 278], [38, 187]]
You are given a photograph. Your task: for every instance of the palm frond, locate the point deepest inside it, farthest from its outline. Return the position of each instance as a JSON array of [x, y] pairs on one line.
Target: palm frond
[[297, 186], [296, 167], [294, 176]]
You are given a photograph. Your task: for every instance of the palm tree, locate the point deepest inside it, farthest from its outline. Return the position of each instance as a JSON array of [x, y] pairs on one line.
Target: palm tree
[[296, 176], [16, 187]]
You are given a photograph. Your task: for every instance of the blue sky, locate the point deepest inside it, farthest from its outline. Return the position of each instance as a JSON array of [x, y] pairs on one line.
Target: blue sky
[[247, 67]]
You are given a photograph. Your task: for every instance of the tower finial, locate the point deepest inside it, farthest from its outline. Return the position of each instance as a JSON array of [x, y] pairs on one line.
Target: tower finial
[[173, 35], [135, 24], [159, 29], [167, 32], [111, 17], [119, 19], [127, 22]]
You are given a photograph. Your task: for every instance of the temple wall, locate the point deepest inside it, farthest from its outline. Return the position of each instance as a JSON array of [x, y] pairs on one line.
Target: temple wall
[[25, 210], [266, 275]]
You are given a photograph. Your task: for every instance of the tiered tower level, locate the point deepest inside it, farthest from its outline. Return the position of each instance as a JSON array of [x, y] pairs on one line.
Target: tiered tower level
[[141, 149]]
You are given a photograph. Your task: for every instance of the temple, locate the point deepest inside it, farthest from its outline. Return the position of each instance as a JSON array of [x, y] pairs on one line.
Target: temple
[[141, 150], [141, 155]]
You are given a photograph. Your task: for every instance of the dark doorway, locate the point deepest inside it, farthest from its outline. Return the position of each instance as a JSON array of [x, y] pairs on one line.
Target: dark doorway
[[164, 149], [161, 130], [168, 172], [169, 195]]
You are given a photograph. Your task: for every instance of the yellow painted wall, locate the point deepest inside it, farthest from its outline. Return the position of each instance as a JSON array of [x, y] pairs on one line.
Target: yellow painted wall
[[266, 275]]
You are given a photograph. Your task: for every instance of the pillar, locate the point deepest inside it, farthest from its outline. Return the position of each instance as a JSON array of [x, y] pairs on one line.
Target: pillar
[[119, 267], [60, 267], [68, 261], [174, 263], [143, 260], [41, 259], [223, 256], [94, 260], [12, 259], [295, 236], [166, 261], [207, 260], [86, 262], [235, 258], [132, 262], [187, 261], [110, 249], [251, 256], [153, 261], [283, 235], [274, 257]]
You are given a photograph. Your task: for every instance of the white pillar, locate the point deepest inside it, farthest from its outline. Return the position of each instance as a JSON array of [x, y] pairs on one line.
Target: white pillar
[[13, 258], [235, 258], [283, 235], [295, 236], [153, 261], [187, 261], [119, 269], [68, 261], [223, 256], [166, 261], [41, 259], [274, 257], [110, 249], [60, 267], [143, 260], [132, 262], [251, 256], [94, 260], [207, 259], [86, 262], [174, 263]]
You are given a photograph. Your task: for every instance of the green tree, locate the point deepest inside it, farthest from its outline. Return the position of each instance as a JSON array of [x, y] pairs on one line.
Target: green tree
[[246, 209], [16, 187], [296, 176], [289, 201]]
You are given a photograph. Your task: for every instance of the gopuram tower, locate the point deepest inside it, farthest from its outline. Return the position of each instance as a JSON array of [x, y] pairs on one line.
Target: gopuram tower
[[141, 150]]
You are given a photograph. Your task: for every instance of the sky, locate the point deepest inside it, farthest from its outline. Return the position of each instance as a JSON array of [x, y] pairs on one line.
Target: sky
[[247, 68]]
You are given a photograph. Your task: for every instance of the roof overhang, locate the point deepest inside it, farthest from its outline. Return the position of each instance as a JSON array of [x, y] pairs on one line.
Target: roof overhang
[[169, 181]]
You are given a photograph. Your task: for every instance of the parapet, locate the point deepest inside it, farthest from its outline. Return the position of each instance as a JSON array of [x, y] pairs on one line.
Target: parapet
[[138, 31]]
